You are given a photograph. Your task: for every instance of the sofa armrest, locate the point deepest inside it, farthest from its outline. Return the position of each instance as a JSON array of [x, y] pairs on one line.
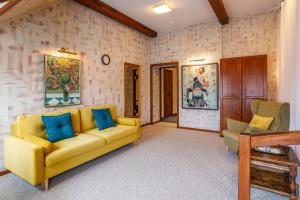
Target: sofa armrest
[[47, 146], [127, 121], [234, 125], [24, 159], [131, 122]]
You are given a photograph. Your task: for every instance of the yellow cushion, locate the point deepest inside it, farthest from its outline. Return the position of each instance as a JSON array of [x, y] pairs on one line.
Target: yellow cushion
[[33, 124], [261, 122], [114, 133], [88, 120], [69, 148], [127, 121], [30, 125], [75, 117], [47, 146]]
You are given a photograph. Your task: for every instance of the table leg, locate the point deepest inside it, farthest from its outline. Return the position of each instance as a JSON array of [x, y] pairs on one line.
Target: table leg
[[293, 184]]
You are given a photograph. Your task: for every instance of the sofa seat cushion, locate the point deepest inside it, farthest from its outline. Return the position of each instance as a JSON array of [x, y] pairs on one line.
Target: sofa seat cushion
[[114, 133], [231, 139], [68, 148]]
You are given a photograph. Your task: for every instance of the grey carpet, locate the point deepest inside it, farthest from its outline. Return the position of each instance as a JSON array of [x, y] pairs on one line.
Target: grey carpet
[[167, 164], [170, 118]]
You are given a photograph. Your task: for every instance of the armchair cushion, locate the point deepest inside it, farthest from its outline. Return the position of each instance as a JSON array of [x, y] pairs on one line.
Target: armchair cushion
[[47, 146], [261, 122], [234, 125]]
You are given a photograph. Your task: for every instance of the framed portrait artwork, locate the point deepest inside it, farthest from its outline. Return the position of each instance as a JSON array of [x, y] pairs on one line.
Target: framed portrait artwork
[[200, 86], [62, 81]]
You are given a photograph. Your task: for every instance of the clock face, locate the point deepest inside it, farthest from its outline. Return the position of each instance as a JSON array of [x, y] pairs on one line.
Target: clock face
[[105, 59]]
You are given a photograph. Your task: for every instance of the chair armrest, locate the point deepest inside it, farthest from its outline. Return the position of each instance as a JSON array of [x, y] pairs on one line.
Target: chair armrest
[[131, 122], [24, 158], [234, 125], [256, 130]]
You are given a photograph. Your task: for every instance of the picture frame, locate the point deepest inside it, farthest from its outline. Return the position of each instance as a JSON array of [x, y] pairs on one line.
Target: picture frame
[[61, 81], [200, 86]]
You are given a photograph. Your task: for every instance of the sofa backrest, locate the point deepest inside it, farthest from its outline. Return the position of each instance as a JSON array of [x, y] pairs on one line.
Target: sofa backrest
[[33, 124], [87, 119], [280, 112]]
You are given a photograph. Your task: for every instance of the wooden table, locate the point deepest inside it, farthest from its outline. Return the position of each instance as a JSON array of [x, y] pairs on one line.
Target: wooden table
[[275, 173]]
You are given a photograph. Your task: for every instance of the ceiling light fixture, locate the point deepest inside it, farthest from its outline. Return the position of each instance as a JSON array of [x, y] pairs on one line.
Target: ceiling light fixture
[[162, 8]]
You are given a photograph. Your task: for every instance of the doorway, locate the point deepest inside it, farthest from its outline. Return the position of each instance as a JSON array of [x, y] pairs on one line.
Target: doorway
[[132, 100], [164, 88]]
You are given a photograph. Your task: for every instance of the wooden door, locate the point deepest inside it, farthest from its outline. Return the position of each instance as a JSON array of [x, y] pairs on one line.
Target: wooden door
[[231, 90], [254, 82], [168, 92], [254, 76], [231, 74], [231, 108]]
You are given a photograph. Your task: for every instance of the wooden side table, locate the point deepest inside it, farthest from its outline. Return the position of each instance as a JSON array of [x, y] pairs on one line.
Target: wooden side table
[[275, 173]]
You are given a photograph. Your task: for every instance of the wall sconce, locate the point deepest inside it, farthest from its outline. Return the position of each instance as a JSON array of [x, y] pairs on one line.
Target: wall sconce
[[197, 60], [66, 50]]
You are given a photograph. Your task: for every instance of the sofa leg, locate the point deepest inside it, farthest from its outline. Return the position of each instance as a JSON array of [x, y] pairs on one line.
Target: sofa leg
[[134, 143], [45, 184]]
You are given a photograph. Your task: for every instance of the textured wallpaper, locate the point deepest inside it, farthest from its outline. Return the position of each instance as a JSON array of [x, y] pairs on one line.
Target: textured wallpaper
[[24, 40], [242, 37], [254, 36]]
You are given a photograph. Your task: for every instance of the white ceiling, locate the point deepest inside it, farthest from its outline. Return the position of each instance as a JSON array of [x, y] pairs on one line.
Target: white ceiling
[[186, 12]]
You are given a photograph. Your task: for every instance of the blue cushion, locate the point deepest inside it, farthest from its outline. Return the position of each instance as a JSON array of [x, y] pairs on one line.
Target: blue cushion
[[103, 118], [58, 127]]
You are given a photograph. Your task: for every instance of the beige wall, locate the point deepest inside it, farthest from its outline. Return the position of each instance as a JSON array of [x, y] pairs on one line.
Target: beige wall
[[64, 23], [251, 35], [174, 86]]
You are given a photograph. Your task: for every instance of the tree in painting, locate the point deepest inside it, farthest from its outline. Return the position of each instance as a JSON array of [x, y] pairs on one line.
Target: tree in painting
[[62, 81]]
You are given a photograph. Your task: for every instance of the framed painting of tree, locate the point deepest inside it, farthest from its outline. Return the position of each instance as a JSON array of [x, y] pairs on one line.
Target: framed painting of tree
[[62, 81]]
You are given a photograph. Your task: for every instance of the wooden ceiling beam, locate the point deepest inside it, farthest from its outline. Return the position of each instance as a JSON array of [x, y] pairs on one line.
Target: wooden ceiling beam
[[220, 11], [114, 14], [8, 6]]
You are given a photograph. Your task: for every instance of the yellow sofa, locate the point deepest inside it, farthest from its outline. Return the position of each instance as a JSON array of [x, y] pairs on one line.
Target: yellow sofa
[[28, 153]]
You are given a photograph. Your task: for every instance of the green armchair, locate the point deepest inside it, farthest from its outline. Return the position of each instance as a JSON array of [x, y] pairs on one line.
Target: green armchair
[[280, 112]]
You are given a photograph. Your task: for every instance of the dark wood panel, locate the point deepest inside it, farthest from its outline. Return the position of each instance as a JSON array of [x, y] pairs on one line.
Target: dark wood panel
[[247, 113], [114, 14], [168, 92], [4, 172], [231, 75], [231, 108], [254, 76], [220, 11]]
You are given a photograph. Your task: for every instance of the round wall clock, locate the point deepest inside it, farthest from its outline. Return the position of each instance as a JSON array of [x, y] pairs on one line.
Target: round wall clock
[[105, 59]]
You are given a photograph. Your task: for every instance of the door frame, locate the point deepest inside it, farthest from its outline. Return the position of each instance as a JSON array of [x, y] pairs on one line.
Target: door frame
[[160, 66], [138, 67]]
